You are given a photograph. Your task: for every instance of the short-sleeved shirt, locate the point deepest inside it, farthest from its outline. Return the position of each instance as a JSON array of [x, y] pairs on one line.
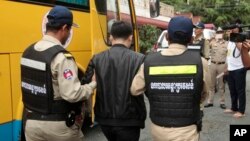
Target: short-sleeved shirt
[[218, 51], [234, 61]]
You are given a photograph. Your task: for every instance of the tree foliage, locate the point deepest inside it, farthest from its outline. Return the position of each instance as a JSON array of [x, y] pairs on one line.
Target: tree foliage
[[219, 12], [148, 35]]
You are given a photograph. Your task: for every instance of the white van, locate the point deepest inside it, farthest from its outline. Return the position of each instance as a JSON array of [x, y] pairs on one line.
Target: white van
[[162, 42]]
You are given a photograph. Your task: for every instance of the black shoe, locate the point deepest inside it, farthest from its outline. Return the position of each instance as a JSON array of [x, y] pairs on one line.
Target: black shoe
[[209, 105], [223, 106]]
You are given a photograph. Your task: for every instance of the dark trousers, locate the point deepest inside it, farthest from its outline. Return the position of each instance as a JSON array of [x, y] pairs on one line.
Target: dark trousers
[[237, 87], [121, 133]]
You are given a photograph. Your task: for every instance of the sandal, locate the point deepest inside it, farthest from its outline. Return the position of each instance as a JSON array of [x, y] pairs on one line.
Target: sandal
[[238, 115], [229, 111]]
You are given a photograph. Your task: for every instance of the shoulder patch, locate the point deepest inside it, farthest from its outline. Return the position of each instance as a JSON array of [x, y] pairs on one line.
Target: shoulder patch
[[68, 55], [67, 74]]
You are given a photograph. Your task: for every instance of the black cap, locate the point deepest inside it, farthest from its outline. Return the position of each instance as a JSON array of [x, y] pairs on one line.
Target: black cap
[[180, 24], [61, 14]]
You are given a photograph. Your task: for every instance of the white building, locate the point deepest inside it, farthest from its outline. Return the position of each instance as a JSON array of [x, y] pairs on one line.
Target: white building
[[143, 12]]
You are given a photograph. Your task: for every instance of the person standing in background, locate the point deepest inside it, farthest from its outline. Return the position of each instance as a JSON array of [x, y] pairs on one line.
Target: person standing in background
[[236, 77], [203, 44], [200, 40], [218, 55]]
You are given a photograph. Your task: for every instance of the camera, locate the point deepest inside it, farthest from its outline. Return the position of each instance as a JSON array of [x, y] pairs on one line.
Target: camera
[[239, 37]]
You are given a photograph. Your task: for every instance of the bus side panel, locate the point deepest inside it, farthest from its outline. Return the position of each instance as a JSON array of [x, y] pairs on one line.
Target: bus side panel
[[21, 25], [16, 86], [29, 28], [98, 30], [16, 130], [5, 100], [6, 131], [81, 35], [17, 105]]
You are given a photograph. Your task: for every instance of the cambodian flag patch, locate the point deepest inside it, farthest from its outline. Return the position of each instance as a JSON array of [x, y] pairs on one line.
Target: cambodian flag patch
[[67, 74]]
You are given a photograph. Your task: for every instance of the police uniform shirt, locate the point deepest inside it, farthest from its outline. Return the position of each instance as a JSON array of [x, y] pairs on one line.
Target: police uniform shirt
[[218, 51], [197, 39], [65, 80]]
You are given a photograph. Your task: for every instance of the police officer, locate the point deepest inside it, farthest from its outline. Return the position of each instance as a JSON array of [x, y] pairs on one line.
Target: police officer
[[51, 90], [174, 81], [204, 50], [200, 40], [218, 54]]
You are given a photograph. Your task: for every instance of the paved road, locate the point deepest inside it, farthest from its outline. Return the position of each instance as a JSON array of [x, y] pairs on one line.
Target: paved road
[[215, 123]]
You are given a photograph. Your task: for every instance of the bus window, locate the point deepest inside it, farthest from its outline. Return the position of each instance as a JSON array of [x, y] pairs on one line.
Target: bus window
[[77, 2], [101, 6], [74, 4]]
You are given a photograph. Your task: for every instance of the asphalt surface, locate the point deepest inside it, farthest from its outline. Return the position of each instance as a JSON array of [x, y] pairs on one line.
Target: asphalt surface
[[215, 123]]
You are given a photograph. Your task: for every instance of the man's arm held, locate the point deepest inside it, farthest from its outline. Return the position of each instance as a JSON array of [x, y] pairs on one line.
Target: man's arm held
[[138, 83]]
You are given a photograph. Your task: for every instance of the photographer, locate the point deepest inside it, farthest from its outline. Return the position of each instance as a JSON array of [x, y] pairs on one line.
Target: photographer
[[236, 76]]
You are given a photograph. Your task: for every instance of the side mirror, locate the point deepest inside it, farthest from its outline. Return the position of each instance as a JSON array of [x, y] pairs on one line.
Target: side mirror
[[154, 7]]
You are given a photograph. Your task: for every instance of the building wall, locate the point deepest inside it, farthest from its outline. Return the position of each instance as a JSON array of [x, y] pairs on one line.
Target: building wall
[[141, 6], [166, 10]]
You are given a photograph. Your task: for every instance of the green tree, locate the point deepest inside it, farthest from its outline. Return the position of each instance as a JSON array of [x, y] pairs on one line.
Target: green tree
[[148, 36], [219, 12]]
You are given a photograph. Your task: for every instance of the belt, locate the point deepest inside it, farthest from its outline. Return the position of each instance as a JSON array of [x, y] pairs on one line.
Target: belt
[[217, 63], [47, 117]]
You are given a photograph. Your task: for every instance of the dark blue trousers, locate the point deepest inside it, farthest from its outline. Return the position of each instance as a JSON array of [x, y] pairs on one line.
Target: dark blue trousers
[[237, 87]]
